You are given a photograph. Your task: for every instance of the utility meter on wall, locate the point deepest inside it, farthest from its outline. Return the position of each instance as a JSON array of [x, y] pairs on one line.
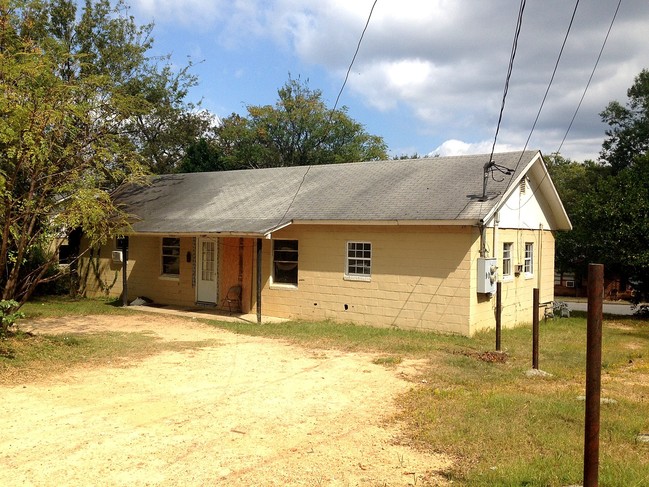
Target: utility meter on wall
[[487, 275]]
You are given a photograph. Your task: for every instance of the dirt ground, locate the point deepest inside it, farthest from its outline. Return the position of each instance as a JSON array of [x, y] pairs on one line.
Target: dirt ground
[[240, 411]]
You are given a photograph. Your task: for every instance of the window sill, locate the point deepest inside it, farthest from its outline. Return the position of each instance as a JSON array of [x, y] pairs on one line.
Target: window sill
[[508, 278], [169, 277], [529, 276], [357, 278], [286, 287]]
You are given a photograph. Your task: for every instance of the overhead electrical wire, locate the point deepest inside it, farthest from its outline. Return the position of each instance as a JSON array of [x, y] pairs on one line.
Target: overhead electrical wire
[[349, 69], [512, 55], [547, 90], [358, 46], [538, 114], [599, 56], [590, 78]]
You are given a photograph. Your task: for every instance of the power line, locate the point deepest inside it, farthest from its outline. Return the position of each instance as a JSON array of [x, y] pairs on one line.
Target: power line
[[547, 90], [591, 75], [554, 72], [358, 46], [517, 32]]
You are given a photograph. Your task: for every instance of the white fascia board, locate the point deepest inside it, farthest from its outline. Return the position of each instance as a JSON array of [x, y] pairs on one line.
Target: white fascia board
[[197, 234], [269, 234], [389, 222], [559, 214], [546, 188]]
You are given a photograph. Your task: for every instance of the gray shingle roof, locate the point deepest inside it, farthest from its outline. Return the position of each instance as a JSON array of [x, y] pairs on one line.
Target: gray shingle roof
[[260, 200]]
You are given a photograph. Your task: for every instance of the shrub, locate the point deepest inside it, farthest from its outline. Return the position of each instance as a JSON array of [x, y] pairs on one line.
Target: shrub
[[9, 315]]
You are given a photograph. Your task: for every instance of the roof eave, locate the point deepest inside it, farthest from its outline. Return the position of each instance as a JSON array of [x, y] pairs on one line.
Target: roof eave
[[546, 186], [393, 222], [232, 233]]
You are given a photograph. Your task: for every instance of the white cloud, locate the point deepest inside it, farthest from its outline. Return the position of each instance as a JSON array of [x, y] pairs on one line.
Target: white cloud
[[454, 147], [444, 61]]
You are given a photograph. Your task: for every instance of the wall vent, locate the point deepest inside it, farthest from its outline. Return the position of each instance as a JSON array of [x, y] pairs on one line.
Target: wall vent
[[523, 185]]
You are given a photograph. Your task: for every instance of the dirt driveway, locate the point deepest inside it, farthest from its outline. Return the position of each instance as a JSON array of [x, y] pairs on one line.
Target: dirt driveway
[[239, 411]]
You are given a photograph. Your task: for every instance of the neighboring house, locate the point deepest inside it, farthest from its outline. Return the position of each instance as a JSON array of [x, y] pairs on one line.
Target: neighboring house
[[406, 244], [615, 287]]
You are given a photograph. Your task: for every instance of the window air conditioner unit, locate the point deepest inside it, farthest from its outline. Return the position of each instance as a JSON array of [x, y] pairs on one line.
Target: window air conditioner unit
[[117, 256]]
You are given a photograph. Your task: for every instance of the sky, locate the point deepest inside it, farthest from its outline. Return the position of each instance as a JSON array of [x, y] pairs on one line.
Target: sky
[[429, 75]]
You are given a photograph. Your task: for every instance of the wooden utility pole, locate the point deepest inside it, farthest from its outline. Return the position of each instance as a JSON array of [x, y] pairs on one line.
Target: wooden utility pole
[[259, 259], [499, 311], [593, 374], [535, 329]]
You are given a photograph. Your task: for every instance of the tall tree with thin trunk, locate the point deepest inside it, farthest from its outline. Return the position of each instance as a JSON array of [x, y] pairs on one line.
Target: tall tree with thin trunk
[[82, 111]]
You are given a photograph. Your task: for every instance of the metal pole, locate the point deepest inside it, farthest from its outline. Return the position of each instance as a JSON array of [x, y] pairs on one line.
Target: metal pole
[[259, 247], [498, 313], [535, 329], [593, 373]]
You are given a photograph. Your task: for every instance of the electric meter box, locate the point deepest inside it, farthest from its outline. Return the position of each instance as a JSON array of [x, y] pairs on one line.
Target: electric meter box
[[487, 275]]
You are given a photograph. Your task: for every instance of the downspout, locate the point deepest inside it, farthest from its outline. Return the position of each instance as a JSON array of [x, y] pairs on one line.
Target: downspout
[[494, 248], [483, 244]]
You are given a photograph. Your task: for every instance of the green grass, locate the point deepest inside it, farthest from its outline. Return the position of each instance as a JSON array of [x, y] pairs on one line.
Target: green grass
[[500, 427], [58, 306], [506, 429], [350, 337], [26, 357]]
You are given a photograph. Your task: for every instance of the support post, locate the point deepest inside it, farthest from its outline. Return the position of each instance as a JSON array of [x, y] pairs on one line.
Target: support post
[[593, 374], [499, 311], [259, 247], [124, 242], [535, 329]]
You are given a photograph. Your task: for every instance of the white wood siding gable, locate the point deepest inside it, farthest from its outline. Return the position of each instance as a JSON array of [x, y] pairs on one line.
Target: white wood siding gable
[[532, 202], [525, 210]]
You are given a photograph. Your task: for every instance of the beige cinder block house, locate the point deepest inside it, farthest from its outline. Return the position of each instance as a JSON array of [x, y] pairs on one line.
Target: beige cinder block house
[[415, 244]]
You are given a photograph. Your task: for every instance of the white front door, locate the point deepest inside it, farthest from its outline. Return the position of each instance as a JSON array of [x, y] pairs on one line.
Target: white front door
[[206, 270]]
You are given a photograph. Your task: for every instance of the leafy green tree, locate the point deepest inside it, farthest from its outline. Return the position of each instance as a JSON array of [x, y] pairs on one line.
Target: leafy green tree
[[82, 110], [106, 41], [628, 135], [166, 126], [573, 181], [624, 201], [414, 155], [204, 155], [298, 130], [608, 202]]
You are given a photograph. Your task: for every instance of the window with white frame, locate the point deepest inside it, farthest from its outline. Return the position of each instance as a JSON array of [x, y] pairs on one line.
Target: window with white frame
[[285, 260], [359, 260], [528, 264], [170, 256], [507, 259]]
